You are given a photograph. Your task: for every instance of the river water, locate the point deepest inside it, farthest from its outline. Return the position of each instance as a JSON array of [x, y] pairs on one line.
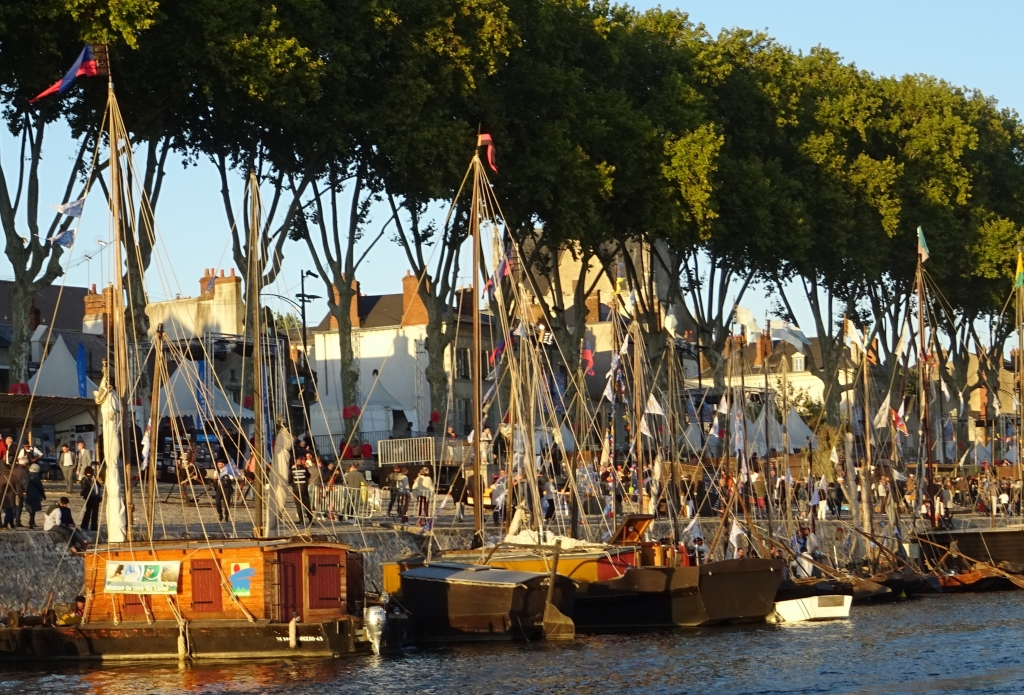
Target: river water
[[939, 644]]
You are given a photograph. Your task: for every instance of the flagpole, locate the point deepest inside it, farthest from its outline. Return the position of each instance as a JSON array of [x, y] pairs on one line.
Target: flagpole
[[922, 369]]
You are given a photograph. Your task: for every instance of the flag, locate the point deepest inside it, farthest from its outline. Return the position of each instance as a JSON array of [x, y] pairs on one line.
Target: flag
[[694, 528], [904, 342], [945, 389], [792, 335], [84, 66], [723, 405], [496, 352], [644, 429], [735, 533], [834, 457], [65, 238], [81, 363], [587, 357], [484, 140], [145, 448], [898, 422], [72, 209], [745, 318], [653, 407], [502, 271], [625, 346], [995, 405], [853, 336], [881, 420], [1018, 278], [922, 245]]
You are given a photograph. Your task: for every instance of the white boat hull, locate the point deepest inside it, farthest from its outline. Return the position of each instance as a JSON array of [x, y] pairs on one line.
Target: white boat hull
[[812, 608]]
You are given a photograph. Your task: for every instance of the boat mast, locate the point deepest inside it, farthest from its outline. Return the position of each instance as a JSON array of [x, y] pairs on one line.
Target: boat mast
[[1018, 284], [119, 141], [154, 429], [252, 304], [474, 228], [922, 380], [673, 419], [866, 475]]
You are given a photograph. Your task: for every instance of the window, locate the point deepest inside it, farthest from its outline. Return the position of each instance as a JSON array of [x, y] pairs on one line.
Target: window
[[798, 363], [464, 415], [463, 366]]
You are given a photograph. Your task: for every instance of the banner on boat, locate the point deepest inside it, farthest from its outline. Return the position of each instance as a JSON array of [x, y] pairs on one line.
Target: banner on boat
[[154, 577]]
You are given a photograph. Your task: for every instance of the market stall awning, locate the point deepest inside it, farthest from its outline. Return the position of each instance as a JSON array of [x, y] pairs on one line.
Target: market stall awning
[[41, 410]]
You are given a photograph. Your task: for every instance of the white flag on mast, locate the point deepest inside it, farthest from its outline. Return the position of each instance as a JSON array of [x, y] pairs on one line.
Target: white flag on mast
[[881, 420]]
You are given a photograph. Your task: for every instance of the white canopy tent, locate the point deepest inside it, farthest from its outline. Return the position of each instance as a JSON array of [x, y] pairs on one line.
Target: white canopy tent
[[799, 431], [58, 374], [179, 397], [766, 431]]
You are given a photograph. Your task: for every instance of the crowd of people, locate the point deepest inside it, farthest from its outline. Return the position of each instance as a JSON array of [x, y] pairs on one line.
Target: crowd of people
[[22, 493]]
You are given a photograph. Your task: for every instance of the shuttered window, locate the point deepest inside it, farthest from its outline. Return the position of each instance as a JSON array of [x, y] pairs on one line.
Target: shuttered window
[[206, 589], [325, 581], [131, 604]]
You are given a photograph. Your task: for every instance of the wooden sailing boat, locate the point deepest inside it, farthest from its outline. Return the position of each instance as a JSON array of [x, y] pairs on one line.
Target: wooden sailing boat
[[190, 599]]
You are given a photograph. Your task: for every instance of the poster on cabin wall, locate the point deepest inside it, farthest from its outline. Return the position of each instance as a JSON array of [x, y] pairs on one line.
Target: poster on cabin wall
[[153, 577], [240, 576]]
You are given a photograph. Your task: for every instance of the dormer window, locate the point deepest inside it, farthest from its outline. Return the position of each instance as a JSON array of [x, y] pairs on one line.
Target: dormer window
[[798, 362]]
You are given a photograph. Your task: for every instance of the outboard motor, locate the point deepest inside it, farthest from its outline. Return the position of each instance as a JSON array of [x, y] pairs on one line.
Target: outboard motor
[[374, 622]]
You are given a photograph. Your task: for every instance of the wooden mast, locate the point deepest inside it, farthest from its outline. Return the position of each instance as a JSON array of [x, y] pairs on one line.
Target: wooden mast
[[922, 380], [154, 429], [119, 336], [474, 228], [866, 475], [252, 305]]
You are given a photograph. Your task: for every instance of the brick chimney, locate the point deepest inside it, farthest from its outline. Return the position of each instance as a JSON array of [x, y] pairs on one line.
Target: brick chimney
[[414, 313], [98, 305], [763, 348], [207, 282], [353, 308]]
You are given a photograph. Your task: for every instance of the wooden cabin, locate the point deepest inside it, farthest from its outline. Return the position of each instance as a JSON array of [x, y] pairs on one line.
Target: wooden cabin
[[263, 580]]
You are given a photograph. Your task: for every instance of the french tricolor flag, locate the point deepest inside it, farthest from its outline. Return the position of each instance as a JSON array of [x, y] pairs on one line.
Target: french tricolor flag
[[85, 66]]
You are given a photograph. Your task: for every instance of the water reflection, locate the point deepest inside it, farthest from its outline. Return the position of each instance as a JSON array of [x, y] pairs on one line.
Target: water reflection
[[948, 644]]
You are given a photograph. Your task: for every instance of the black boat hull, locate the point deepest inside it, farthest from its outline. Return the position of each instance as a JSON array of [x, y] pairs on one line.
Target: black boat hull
[[159, 641], [730, 591]]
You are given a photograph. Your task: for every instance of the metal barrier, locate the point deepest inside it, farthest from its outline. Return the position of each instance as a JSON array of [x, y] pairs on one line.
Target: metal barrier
[[397, 452], [346, 501]]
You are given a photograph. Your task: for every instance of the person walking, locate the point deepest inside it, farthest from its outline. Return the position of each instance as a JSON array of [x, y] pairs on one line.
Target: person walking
[[83, 460], [300, 489], [354, 482], [403, 495], [423, 490], [34, 494], [20, 474], [392, 482], [92, 493], [9, 493], [317, 498], [225, 489], [66, 461]]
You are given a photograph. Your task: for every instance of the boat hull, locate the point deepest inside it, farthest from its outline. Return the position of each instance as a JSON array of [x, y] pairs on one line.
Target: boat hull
[[833, 607], [1002, 547], [446, 609], [159, 641], [730, 591]]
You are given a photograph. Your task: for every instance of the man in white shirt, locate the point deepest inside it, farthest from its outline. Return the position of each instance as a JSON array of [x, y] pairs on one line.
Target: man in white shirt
[[29, 455], [67, 465], [61, 526]]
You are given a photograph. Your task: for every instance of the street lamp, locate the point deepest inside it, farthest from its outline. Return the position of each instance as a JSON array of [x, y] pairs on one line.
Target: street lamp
[[305, 299]]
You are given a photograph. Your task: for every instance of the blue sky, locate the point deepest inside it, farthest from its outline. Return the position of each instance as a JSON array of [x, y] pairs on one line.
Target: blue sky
[[970, 44]]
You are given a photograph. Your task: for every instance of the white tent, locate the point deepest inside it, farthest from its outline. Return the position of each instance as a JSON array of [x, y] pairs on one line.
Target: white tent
[[179, 397], [58, 374], [799, 431], [690, 441], [382, 412], [763, 435]]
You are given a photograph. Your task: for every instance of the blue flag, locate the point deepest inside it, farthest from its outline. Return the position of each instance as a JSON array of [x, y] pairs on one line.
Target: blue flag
[[201, 393], [83, 380]]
